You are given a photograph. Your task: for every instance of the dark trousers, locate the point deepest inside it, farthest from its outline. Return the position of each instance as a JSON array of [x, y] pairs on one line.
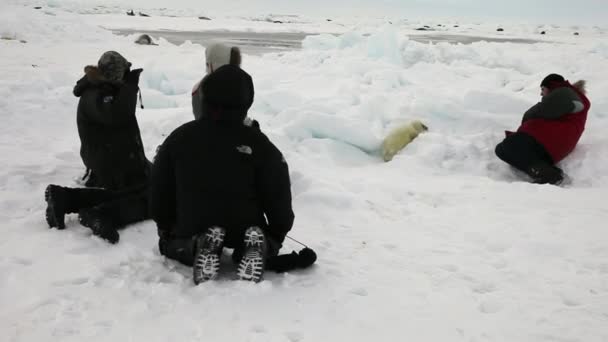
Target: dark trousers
[[526, 154], [522, 151], [121, 207], [182, 250]]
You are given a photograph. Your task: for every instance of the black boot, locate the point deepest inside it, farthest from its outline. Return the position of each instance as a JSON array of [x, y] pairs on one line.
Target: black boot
[[56, 198], [252, 264], [209, 247], [100, 224], [544, 173]]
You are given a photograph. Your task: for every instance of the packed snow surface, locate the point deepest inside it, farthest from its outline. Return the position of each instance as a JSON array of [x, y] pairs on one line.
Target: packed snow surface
[[444, 243]]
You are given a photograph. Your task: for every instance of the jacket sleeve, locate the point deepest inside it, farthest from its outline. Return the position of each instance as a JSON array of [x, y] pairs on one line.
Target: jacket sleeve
[[117, 108], [556, 104], [197, 100], [531, 113], [162, 189], [274, 190]]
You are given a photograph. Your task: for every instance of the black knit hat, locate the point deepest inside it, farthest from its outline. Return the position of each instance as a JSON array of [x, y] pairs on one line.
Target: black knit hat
[[552, 78], [229, 90]]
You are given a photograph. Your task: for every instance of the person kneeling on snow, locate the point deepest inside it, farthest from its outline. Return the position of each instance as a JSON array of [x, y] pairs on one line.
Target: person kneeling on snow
[[218, 183], [216, 56], [549, 131], [111, 149]]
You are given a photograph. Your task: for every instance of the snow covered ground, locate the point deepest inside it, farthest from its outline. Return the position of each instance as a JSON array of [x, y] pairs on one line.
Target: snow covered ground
[[444, 243]]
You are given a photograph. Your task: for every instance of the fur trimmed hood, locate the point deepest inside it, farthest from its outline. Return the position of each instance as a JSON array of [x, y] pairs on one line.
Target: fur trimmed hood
[[92, 78], [581, 85]]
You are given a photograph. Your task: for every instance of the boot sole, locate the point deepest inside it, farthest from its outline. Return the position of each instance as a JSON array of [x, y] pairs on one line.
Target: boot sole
[[51, 218], [207, 259], [251, 267]]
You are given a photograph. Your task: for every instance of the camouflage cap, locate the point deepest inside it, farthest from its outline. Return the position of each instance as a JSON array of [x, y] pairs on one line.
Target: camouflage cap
[[113, 66]]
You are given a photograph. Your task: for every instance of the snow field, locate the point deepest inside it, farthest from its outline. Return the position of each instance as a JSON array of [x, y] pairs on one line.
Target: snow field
[[443, 243]]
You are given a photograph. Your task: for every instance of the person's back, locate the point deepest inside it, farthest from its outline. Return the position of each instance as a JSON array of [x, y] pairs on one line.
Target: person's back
[[111, 146], [217, 172], [216, 168]]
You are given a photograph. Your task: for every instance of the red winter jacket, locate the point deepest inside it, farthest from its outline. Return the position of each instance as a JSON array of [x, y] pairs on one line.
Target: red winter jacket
[[558, 121]]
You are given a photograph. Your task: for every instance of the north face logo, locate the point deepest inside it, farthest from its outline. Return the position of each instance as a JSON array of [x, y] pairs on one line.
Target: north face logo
[[244, 149]]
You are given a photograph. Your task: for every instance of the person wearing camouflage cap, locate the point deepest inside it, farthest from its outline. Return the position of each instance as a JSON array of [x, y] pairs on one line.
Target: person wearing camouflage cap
[[113, 66], [111, 150]]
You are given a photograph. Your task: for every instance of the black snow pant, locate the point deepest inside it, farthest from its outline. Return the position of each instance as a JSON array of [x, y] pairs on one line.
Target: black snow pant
[[523, 152], [121, 207], [182, 250]]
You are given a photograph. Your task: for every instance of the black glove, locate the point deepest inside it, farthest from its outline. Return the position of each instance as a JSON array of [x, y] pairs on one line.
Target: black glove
[[287, 262], [132, 77], [306, 257], [282, 263]]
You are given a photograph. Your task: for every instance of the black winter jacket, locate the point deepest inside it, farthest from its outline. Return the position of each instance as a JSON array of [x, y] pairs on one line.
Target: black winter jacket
[[221, 173], [111, 146]]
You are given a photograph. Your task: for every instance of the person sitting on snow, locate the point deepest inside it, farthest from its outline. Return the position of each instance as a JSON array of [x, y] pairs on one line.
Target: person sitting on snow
[[112, 151], [218, 183], [216, 56], [549, 131]]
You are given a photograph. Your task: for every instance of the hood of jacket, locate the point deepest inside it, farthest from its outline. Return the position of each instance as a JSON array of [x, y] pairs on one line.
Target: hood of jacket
[[93, 78]]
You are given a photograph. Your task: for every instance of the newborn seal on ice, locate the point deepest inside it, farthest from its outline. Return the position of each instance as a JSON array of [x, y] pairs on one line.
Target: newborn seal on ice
[[401, 137], [145, 39]]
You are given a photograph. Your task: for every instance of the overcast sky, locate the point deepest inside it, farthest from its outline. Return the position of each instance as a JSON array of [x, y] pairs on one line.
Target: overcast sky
[[541, 11], [572, 11]]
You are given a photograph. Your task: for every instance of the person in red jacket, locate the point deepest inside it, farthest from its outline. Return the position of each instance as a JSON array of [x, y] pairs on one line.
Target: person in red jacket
[[549, 131]]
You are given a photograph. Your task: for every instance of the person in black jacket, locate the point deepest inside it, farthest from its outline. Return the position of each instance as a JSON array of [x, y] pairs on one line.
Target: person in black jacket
[[219, 183], [111, 150]]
